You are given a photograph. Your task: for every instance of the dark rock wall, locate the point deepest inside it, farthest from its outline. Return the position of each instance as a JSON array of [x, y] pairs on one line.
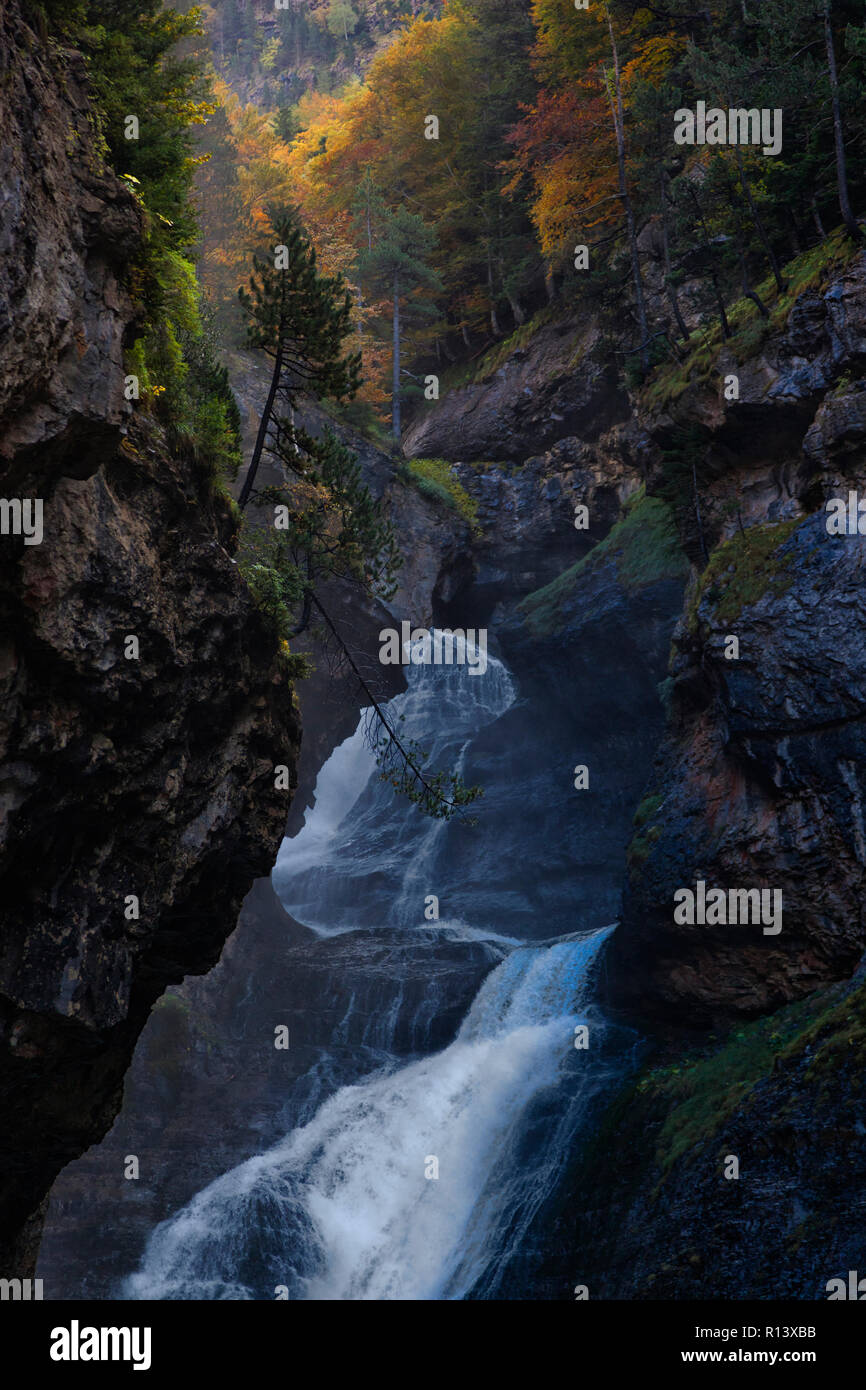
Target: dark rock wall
[[761, 781], [149, 777]]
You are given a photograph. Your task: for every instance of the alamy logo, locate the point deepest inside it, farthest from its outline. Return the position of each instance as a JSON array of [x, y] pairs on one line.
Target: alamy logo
[[731, 907], [846, 518], [736, 126], [20, 1290], [22, 516], [441, 647], [854, 1289], [75, 1343]]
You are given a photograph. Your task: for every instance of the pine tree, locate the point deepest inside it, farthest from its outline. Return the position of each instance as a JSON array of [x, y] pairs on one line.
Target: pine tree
[[328, 526], [300, 318]]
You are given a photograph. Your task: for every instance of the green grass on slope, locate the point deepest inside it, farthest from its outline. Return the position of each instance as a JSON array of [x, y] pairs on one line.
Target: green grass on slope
[[644, 546], [435, 478], [750, 329]]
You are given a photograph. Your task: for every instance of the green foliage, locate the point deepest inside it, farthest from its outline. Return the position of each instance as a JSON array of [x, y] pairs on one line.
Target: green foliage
[[701, 1094], [441, 795], [276, 591], [182, 381], [804, 274], [342, 19], [330, 528], [435, 478], [647, 809], [837, 1035], [331, 525], [137, 69], [646, 836], [643, 545], [299, 316], [482, 369], [395, 263], [742, 570]]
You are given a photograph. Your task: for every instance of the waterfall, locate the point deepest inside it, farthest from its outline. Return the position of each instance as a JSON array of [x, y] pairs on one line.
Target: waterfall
[[396, 1188], [412, 1168], [363, 857]]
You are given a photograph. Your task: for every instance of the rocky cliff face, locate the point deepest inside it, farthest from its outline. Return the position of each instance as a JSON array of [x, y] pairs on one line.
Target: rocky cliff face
[[655, 1208], [137, 797], [562, 384], [757, 783], [114, 784], [760, 784], [738, 1146]]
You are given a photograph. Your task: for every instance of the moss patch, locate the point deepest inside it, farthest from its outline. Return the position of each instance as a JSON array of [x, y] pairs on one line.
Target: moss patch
[[644, 546], [750, 329], [701, 1094], [646, 836], [435, 478], [744, 569], [836, 1036], [472, 373]]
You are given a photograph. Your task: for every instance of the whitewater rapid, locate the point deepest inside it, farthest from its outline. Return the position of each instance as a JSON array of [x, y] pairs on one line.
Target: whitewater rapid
[[363, 856], [421, 1180], [346, 1208]]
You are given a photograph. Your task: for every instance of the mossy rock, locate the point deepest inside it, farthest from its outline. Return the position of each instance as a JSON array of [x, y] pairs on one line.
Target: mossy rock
[[643, 545], [750, 330], [743, 570], [700, 1094], [435, 478]]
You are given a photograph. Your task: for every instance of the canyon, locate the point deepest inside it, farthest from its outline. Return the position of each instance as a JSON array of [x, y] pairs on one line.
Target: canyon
[[608, 650]]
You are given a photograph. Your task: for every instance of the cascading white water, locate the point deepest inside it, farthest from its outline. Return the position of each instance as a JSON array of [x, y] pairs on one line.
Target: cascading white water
[[421, 1180], [364, 857], [346, 1208]]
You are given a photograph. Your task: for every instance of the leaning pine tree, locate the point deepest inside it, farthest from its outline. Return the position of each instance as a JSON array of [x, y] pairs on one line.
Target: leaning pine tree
[[327, 526], [300, 319]]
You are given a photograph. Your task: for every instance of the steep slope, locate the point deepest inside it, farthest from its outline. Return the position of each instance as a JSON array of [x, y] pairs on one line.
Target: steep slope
[[761, 784], [738, 1146], [138, 797]]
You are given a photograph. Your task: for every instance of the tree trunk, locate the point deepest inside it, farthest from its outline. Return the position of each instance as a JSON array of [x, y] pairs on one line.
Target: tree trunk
[[516, 308], [306, 614], [781, 283], [263, 429], [395, 390], [736, 209], [714, 279], [619, 125], [838, 135], [673, 297], [747, 289], [494, 321], [446, 351], [697, 498], [816, 218]]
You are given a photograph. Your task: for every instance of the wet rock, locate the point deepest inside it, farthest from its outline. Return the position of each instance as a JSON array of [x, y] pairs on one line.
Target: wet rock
[[137, 797]]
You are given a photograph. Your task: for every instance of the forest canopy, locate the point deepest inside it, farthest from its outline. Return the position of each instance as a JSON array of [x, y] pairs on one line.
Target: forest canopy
[[517, 132]]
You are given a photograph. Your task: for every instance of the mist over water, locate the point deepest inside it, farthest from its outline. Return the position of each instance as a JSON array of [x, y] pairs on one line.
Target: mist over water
[[365, 857], [421, 1180]]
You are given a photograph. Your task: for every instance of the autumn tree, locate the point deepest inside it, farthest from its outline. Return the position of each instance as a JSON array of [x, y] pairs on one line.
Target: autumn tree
[[397, 261]]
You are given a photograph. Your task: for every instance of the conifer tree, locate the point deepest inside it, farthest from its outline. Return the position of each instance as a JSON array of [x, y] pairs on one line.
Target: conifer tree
[[396, 262], [300, 318]]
